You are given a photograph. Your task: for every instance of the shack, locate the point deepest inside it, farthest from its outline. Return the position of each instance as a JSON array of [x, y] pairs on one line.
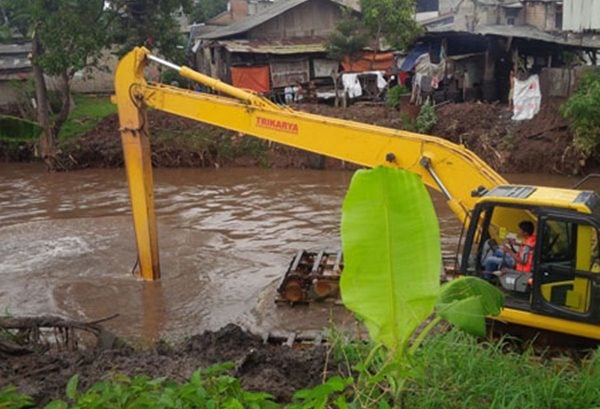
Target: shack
[[280, 46], [473, 48]]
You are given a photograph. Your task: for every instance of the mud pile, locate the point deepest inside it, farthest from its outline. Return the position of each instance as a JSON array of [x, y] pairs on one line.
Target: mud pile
[[538, 145], [277, 369]]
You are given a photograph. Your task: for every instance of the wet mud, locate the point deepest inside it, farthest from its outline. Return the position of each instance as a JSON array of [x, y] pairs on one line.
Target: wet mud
[[273, 368]]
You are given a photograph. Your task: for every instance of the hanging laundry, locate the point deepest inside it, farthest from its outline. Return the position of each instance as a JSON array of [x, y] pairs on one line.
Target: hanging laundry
[[351, 85], [527, 98]]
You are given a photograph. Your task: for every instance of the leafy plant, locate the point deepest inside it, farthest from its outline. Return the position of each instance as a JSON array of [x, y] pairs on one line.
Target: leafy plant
[[392, 97], [390, 238], [17, 129], [582, 110], [322, 396], [11, 399], [210, 388], [427, 118]]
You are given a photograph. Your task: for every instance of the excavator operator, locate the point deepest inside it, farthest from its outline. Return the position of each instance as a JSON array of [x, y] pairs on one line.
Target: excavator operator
[[507, 257]]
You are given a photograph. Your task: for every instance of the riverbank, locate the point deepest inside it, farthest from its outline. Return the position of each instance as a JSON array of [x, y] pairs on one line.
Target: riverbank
[[450, 370], [543, 144]]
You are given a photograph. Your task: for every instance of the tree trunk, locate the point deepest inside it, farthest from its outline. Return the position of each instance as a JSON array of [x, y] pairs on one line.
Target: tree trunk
[[47, 144], [65, 108]]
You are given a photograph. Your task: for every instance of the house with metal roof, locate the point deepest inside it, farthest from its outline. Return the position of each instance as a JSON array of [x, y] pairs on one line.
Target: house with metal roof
[[15, 65], [483, 41], [280, 45]]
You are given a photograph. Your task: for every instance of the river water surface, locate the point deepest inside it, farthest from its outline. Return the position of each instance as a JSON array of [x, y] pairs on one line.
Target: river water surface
[[226, 237]]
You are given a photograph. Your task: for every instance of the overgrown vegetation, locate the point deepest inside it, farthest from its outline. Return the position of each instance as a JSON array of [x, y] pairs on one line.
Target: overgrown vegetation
[[424, 122], [453, 370], [392, 97], [582, 110], [426, 119], [210, 388], [89, 111]]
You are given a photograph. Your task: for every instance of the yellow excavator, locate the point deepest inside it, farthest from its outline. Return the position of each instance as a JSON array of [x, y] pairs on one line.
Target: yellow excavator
[[560, 293]]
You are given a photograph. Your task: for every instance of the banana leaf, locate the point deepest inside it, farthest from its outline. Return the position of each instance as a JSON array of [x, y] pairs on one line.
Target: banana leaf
[[392, 257], [15, 129], [466, 302]]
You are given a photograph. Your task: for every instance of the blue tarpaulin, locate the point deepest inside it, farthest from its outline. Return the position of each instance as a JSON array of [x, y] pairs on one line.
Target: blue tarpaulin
[[415, 53]]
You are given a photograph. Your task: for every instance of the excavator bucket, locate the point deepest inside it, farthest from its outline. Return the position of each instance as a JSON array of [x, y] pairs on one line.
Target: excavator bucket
[[311, 276]]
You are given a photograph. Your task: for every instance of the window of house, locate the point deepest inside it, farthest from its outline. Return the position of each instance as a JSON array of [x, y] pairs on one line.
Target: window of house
[[558, 17], [424, 6]]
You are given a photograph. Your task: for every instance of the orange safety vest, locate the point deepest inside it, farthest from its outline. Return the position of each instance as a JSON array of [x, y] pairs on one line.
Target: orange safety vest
[[528, 263]]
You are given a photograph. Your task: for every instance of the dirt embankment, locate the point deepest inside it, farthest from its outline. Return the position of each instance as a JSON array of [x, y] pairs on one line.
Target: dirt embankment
[[277, 369], [542, 144]]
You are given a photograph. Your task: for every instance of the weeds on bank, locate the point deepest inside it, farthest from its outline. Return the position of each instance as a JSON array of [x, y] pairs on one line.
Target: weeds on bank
[[454, 370], [88, 112], [210, 388]]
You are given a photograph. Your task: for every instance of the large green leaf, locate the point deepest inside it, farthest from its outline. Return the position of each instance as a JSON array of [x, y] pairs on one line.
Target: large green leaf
[[390, 238], [18, 129], [465, 302]]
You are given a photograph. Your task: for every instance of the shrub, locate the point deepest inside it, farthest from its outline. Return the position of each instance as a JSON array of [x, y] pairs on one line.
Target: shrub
[[392, 98], [582, 111], [427, 118]]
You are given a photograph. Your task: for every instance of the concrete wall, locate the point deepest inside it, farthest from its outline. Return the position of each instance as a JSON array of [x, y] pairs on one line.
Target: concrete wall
[[542, 15], [311, 19], [97, 80]]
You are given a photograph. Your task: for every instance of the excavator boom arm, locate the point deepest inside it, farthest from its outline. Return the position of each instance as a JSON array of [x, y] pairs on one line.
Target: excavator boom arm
[[449, 168]]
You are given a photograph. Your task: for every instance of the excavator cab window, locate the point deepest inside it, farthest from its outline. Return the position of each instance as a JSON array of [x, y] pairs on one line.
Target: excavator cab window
[[568, 268]]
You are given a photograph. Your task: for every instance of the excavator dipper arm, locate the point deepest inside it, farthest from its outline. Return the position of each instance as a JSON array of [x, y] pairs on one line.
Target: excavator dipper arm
[[448, 168]]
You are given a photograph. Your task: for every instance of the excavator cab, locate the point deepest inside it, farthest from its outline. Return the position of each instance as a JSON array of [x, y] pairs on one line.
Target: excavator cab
[[564, 281]]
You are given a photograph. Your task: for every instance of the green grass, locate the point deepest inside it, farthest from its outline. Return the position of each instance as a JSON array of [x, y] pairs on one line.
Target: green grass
[[456, 371], [459, 372], [89, 110]]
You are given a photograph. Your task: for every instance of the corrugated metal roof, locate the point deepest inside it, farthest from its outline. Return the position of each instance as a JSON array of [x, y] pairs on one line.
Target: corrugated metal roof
[[263, 16], [536, 34], [250, 22], [528, 32], [14, 61], [280, 47], [24, 48]]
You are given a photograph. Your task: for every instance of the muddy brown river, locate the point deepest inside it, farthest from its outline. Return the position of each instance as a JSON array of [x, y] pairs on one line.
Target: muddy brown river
[[226, 237]]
